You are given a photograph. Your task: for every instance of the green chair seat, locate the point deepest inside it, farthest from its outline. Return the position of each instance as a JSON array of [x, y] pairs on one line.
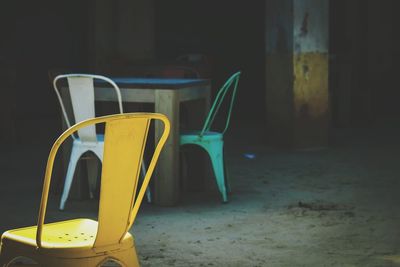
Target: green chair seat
[[194, 136]]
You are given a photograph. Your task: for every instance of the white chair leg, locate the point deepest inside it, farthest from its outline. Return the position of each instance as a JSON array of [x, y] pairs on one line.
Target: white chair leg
[[92, 175], [75, 155]]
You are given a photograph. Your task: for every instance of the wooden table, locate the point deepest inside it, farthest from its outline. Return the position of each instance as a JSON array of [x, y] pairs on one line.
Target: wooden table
[[167, 95]]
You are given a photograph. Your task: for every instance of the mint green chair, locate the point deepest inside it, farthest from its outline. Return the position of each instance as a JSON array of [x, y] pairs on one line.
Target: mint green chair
[[213, 142]]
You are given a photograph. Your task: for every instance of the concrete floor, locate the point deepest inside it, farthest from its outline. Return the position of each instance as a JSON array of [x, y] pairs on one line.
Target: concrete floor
[[337, 206]]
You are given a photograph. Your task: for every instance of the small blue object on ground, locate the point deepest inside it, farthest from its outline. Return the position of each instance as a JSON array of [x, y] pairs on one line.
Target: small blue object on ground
[[249, 155]]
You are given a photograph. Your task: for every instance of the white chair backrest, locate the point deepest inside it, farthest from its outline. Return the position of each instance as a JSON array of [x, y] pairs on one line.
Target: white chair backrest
[[81, 90]]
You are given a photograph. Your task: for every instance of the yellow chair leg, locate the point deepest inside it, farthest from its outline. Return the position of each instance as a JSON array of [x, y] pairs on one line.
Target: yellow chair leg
[[126, 258], [129, 258], [8, 256]]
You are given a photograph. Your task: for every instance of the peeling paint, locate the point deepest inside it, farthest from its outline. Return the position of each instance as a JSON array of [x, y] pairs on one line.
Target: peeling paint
[[306, 71], [311, 20], [311, 83], [304, 25], [297, 99], [311, 99]]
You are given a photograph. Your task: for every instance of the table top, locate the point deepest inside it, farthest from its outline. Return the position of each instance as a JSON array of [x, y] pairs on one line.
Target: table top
[[158, 83]]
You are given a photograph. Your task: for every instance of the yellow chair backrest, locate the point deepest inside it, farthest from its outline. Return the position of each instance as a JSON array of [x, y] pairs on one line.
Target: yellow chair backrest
[[124, 142]]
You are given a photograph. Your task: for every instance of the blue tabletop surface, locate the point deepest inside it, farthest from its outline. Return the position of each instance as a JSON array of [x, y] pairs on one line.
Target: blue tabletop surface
[[155, 81]]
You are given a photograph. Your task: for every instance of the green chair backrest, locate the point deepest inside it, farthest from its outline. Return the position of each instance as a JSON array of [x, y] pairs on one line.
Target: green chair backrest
[[232, 82]]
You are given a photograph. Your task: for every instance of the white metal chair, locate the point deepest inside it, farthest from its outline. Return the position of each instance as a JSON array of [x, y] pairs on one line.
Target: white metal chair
[[81, 90]]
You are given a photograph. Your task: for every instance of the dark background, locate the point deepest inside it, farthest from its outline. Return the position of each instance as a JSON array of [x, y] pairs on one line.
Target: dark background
[[364, 41]]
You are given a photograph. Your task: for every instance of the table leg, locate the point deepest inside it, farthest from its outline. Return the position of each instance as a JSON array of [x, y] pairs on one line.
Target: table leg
[[166, 175]]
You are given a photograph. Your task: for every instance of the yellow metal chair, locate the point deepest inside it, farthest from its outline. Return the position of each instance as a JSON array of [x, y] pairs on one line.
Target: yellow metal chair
[[85, 242]]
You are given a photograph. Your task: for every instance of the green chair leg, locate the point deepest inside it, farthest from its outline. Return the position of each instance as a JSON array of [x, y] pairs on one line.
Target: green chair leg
[[226, 173], [215, 151]]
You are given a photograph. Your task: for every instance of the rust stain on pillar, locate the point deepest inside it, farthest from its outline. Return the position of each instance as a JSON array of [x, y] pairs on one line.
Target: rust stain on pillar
[[304, 25], [311, 99]]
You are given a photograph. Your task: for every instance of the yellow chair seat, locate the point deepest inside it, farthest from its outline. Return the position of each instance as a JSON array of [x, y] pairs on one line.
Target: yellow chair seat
[[73, 238], [78, 233]]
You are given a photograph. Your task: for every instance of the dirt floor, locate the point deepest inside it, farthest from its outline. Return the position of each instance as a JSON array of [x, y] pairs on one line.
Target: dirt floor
[[337, 206]]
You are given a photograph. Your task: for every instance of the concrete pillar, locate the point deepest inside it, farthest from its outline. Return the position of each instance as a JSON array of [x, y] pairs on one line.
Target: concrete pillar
[[297, 72]]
